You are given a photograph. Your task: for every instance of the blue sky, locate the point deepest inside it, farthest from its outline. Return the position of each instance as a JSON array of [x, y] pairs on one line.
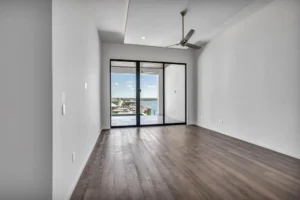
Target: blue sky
[[124, 85]]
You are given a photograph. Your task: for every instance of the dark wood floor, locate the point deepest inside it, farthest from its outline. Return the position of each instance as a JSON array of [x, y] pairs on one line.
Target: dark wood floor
[[184, 162]]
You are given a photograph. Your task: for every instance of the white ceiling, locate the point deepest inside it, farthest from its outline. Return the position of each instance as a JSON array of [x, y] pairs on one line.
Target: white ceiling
[[126, 21], [111, 18]]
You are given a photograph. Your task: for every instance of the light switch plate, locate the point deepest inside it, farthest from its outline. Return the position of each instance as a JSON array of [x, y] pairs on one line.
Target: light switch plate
[[73, 157], [63, 109], [86, 85]]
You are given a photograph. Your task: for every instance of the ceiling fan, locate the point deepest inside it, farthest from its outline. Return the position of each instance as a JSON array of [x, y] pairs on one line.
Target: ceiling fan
[[184, 40]]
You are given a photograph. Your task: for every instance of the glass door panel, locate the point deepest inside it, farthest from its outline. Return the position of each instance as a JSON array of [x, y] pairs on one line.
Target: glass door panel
[[175, 94], [123, 93], [147, 93], [151, 93]]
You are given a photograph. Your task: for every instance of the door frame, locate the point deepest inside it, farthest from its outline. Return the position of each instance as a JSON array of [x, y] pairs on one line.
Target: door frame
[[138, 96]]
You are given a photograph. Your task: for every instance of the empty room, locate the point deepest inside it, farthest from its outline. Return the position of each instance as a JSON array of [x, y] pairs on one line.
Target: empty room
[[141, 99]]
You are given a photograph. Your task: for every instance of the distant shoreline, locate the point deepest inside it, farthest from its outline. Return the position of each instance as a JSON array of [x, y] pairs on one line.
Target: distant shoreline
[[142, 99], [148, 99]]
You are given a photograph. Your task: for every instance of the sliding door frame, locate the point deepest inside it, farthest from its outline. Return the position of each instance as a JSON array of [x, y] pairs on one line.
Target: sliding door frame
[[138, 93]]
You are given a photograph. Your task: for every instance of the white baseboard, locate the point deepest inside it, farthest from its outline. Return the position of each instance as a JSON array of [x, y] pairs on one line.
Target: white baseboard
[[70, 192], [253, 142]]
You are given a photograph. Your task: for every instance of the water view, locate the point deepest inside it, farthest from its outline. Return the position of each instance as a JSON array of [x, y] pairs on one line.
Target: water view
[[152, 104], [127, 106]]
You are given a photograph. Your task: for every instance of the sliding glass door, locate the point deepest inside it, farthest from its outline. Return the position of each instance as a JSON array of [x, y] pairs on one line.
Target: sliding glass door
[[147, 93], [151, 93], [123, 93], [175, 93]]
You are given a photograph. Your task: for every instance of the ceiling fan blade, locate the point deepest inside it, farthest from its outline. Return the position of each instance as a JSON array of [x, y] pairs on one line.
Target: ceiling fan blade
[[173, 45], [189, 35], [192, 46]]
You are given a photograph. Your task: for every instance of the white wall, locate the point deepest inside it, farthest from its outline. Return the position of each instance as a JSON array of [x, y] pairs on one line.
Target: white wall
[[135, 52], [249, 77], [76, 50], [25, 100], [175, 93]]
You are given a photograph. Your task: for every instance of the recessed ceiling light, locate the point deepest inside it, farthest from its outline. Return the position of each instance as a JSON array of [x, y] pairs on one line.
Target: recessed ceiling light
[[143, 38]]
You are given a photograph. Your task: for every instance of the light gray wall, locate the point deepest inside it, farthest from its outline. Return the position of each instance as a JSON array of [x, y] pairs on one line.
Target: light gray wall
[[249, 77], [26, 100], [76, 52], [146, 53]]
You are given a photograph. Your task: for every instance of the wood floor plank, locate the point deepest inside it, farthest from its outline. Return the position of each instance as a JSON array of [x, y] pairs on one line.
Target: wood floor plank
[[120, 182], [107, 183], [172, 158], [142, 170], [184, 162], [132, 179], [161, 187], [174, 185]]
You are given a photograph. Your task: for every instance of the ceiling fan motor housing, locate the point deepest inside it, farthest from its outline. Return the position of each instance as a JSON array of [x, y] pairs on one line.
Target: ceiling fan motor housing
[[183, 13]]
